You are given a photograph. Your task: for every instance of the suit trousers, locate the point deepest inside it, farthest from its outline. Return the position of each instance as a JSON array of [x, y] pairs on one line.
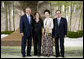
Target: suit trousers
[[23, 45], [57, 38]]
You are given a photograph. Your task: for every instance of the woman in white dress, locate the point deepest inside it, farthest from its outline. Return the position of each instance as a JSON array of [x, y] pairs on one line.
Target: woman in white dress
[[47, 46]]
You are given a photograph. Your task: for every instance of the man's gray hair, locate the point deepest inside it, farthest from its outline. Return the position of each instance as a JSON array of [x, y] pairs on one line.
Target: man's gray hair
[[28, 8]]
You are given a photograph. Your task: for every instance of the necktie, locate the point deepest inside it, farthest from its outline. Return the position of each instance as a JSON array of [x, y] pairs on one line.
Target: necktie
[[29, 18], [58, 22]]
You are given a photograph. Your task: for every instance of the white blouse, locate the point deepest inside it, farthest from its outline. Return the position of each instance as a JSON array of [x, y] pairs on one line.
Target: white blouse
[[48, 23]]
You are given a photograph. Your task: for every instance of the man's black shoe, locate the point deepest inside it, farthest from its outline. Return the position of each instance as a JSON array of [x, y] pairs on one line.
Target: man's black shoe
[[23, 55], [57, 55], [63, 56], [28, 55]]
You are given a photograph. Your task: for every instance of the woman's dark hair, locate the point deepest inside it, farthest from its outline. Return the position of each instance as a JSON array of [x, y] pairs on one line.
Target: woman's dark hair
[[35, 14], [47, 11]]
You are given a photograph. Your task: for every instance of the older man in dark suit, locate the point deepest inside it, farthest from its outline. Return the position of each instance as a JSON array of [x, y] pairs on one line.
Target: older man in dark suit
[[26, 32], [60, 31]]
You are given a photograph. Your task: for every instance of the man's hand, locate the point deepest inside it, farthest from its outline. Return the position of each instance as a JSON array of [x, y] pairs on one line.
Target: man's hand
[[22, 34], [65, 36]]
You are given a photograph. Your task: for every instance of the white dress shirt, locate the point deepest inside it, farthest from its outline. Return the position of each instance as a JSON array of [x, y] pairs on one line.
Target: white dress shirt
[[29, 18], [58, 19]]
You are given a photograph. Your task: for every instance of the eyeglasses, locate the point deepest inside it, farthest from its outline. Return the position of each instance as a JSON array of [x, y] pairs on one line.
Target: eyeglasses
[[58, 13]]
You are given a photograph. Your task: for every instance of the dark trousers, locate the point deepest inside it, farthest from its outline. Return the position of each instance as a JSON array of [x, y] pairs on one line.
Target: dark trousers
[[23, 45], [37, 44], [61, 45]]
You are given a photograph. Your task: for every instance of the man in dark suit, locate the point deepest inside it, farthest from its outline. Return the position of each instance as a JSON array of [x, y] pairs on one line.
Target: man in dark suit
[[26, 32], [60, 31]]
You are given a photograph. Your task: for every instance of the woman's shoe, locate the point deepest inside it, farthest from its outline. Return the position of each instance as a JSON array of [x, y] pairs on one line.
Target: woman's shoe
[[48, 55]]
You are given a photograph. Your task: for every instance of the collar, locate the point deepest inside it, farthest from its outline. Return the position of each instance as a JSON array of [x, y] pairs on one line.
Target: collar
[[27, 15], [59, 18]]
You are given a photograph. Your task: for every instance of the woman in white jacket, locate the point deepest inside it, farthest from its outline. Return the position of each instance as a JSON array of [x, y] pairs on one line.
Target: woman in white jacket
[[47, 46]]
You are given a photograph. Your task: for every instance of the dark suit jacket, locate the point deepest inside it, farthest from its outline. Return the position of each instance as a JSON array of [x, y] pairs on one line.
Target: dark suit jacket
[[25, 27], [60, 30]]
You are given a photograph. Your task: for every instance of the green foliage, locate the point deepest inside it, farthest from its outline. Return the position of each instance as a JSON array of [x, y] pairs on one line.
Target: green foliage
[[7, 32], [77, 34], [80, 32]]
